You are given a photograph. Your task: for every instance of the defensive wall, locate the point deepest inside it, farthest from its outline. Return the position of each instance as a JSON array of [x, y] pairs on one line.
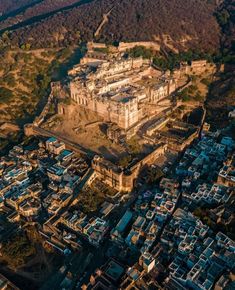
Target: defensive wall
[[123, 179]]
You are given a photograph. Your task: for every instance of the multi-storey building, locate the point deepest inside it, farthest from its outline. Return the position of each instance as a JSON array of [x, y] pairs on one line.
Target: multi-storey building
[[119, 88]]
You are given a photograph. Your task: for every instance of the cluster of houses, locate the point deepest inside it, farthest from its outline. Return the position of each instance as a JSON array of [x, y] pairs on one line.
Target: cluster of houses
[[71, 229], [175, 249], [93, 229], [199, 257], [171, 246], [210, 194], [199, 167], [108, 276], [16, 188], [188, 256], [38, 180], [149, 214], [115, 275], [226, 174]]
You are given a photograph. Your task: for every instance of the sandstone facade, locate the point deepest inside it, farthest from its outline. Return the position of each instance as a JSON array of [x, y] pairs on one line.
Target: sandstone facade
[[118, 89], [118, 178]]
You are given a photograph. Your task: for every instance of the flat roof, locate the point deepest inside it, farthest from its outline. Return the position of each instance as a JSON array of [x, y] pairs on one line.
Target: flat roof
[[124, 221], [114, 270], [51, 139], [123, 98]]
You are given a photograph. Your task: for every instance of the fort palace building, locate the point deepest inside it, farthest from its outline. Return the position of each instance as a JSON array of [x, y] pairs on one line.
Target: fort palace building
[[121, 90]]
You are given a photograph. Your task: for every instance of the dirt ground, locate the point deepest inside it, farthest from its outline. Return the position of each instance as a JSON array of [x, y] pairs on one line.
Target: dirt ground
[[87, 129]]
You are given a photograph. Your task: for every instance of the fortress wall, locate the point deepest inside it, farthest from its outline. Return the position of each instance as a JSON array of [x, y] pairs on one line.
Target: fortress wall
[[119, 180], [150, 158], [90, 60], [128, 180], [107, 175], [91, 45], [123, 46], [172, 86]]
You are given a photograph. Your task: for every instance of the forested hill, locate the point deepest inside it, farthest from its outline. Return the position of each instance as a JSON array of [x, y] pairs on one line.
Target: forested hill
[[225, 15], [8, 6], [221, 97], [178, 24]]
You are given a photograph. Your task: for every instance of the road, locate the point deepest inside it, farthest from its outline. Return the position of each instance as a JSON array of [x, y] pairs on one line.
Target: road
[[104, 21]]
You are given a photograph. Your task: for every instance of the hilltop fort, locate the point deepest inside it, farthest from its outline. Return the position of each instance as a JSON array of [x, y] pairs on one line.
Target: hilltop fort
[[124, 109]]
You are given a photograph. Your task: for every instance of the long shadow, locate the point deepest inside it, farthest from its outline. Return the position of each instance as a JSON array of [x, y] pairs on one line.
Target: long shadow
[[195, 116], [75, 58], [39, 18], [107, 153], [19, 10]]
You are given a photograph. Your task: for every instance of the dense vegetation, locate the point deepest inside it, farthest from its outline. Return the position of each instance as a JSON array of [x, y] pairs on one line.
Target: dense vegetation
[[225, 15], [17, 250], [90, 199], [221, 99], [5, 95], [37, 8], [172, 60], [221, 96], [178, 23], [7, 6], [190, 94], [25, 80]]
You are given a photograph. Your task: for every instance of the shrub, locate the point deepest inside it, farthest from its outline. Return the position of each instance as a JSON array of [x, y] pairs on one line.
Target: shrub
[[5, 95]]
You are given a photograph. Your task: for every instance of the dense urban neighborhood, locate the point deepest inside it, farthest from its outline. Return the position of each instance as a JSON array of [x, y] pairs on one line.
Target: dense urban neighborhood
[[175, 232]]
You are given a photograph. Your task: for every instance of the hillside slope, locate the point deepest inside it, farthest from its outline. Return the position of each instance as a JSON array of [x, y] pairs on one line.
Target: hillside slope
[[179, 23], [221, 98], [37, 8], [8, 6]]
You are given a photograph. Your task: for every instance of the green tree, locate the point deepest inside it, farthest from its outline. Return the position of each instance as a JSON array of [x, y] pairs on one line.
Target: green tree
[[5, 95], [154, 174], [134, 146], [138, 51], [124, 161], [17, 250], [223, 17], [27, 46]]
